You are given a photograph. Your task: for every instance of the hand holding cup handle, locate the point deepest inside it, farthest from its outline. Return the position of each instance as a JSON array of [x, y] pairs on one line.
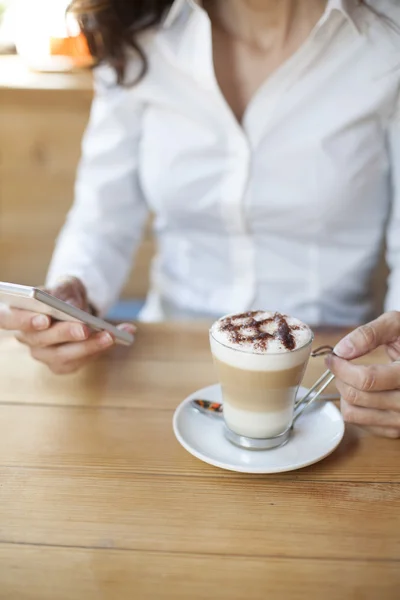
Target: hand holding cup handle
[[370, 395]]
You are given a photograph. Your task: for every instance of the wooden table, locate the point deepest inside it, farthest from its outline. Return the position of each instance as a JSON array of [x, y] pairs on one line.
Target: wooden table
[[98, 500]]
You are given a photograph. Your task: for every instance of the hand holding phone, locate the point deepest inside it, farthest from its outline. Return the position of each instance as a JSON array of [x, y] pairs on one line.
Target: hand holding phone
[[64, 346]]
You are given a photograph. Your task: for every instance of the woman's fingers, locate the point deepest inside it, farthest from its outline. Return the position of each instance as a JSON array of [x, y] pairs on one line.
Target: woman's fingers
[[71, 290], [376, 400], [370, 395], [384, 330], [369, 417], [64, 358], [63, 346], [62, 333], [13, 319], [393, 351], [387, 432], [129, 327], [373, 378], [59, 333]]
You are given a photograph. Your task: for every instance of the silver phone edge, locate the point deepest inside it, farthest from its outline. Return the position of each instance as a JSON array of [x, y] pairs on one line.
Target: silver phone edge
[[122, 337], [25, 291]]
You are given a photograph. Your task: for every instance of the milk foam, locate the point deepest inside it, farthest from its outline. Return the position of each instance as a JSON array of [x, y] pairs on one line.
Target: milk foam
[[255, 355]]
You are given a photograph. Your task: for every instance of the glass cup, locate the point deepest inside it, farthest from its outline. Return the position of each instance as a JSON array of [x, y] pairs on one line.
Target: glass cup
[[259, 391]]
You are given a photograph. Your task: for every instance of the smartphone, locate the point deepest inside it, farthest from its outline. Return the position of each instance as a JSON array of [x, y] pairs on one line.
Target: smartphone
[[35, 300]]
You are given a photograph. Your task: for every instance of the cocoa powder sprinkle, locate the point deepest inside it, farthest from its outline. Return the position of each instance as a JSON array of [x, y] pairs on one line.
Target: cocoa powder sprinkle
[[245, 328]]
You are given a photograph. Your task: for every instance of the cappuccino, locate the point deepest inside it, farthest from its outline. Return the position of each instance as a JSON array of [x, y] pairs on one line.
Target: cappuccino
[[260, 358]]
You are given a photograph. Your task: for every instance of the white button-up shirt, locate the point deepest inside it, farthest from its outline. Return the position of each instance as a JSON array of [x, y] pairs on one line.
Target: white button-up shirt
[[286, 211]]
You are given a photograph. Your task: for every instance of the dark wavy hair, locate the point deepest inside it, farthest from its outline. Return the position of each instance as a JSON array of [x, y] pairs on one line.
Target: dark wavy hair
[[111, 28]]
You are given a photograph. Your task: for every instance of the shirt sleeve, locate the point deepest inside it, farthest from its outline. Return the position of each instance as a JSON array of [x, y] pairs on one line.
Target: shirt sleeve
[[393, 234], [105, 224]]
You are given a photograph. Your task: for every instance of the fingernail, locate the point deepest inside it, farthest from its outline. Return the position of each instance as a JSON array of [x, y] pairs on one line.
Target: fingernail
[[40, 322], [344, 348], [328, 360], [71, 301], [128, 327], [78, 333], [105, 340]]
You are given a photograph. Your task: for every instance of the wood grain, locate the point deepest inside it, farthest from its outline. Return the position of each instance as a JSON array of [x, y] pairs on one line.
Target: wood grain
[[98, 500], [232, 516], [107, 574], [138, 442]]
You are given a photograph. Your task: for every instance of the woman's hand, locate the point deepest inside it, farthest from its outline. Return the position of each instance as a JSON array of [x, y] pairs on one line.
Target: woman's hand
[[64, 347], [370, 395]]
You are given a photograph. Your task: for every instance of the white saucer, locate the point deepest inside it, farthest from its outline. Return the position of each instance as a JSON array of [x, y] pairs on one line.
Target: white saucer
[[316, 435]]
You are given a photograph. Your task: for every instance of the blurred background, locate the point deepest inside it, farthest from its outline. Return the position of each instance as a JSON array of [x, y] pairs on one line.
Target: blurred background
[[45, 96]]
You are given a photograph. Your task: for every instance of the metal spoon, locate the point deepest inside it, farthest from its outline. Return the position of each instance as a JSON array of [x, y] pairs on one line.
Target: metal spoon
[[215, 409]]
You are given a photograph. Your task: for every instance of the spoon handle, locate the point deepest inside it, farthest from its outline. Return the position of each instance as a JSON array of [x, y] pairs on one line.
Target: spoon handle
[[313, 394], [212, 409], [215, 409]]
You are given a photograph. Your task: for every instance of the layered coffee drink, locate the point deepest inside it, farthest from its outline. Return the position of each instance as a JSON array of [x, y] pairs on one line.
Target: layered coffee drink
[[260, 358]]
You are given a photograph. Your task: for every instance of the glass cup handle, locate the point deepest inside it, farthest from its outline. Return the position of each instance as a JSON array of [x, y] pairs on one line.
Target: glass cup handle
[[312, 394]]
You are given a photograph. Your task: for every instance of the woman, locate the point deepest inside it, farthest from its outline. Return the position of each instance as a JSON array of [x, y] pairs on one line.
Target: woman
[[264, 137]]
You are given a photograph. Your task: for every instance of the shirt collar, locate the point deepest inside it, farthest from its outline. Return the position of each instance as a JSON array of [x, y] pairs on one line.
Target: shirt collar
[[176, 9], [347, 7]]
